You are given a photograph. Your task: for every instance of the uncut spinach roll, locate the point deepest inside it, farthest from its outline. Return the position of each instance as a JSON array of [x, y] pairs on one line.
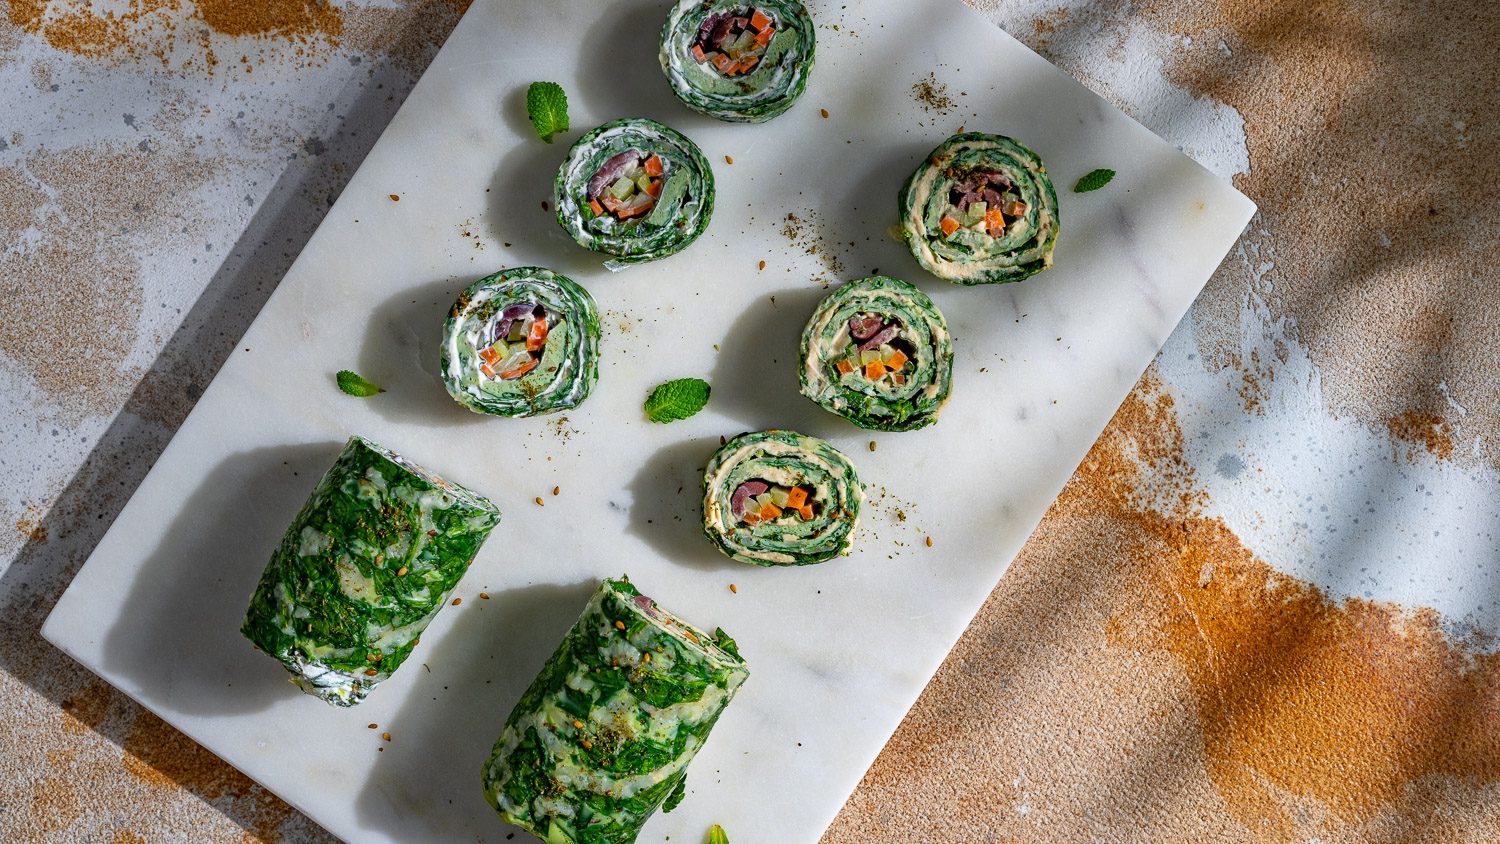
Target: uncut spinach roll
[[636, 190], [521, 342], [362, 570], [780, 498], [877, 352], [740, 62], [605, 733], [980, 210]]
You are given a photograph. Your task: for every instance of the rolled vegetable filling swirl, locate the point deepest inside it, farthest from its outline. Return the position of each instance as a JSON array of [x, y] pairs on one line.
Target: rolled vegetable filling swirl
[[737, 62], [362, 570], [604, 734], [980, 209], [636, 190], [877, 352], [521, 342], [779, 498]]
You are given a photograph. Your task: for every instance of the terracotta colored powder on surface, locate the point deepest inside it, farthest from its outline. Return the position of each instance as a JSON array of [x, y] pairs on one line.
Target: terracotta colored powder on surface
[[1144, 677], [1373, 156], [1428, 430]]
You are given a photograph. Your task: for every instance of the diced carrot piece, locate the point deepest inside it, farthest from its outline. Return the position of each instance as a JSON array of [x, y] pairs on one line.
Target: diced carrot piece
[[537, 338], [698, 55], [994, 222], [949, 226], [595, 207], [750, 519], [653, 187], [896, 360], [749, 64], [722, 62], [899, 379], [874, 370], [653, 166], [763, 37], [795, 498], [490, 355], [844, 367], [1015, 208], [489, 371], [524, 368], [806, 512], [760, 20], [768, 512]]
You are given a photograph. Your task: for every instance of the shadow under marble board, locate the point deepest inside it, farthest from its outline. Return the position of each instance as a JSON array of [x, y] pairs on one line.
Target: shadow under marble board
[[838, 651]]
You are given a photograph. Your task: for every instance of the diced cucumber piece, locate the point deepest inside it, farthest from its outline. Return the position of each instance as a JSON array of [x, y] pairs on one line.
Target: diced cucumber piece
[[763, 499], [643, 181], [501, 350], [622, 188], [977, 210], [869, 356], [740, 45], [886, 350], [670, 198], [518, 330], [778, 497]]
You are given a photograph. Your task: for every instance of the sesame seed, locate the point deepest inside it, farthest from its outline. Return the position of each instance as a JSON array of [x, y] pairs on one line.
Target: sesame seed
[[539, 502], [577, 725], [734, 588], [386, 736], [872, 445], [619, 625], [401, 572], [728, 159], [762, 265], [929, 542], [586, 744], [484, 596], [457, 601], [556, 490], [370, 672], [395, 198], [373, 726], [825, 114]]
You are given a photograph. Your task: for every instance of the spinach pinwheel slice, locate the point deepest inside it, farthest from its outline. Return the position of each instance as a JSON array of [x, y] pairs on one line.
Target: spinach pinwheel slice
[[877, 352], [780, 498], [980, 210], [636, 190], [521, 342], [605, 733], [736, 61], [363, 569]]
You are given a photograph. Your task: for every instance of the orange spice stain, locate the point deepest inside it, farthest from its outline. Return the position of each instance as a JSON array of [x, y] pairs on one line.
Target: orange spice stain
[[164, 758], [1348, 704], [1420, 428], [125, 836], [86, 708]]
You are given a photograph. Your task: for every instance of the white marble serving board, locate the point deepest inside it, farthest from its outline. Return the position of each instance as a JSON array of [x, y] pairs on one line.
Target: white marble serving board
[[839, 651]]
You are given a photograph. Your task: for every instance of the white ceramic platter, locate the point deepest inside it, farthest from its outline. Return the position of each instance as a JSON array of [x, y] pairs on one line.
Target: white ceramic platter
[[839, 651]]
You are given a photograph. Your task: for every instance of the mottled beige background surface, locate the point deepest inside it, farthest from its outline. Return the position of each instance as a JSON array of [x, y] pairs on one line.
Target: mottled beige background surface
[[1262, 610]]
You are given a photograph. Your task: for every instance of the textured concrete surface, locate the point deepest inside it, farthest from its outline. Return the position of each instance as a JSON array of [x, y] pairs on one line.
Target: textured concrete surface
[[1263, 610]]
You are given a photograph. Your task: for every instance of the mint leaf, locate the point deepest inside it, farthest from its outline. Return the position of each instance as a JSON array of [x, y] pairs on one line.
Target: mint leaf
[[726, 644], [716, 835], [677, 399], [354, 385], [1094, 181], [547, 106], [679, 791]]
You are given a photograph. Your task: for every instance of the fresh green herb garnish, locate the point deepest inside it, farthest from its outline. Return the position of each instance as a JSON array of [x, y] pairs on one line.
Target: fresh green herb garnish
[[354, 385], [677, 399], [1094, 181], [716, 835], [547, 106], [679, 791]]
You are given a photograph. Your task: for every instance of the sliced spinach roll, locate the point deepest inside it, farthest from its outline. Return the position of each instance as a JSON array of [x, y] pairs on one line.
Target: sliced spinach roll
[[367, 563], [980, 210], [741, 62], [636, 190], [877, 352], [780, 498], [605, 733], [521, 342]]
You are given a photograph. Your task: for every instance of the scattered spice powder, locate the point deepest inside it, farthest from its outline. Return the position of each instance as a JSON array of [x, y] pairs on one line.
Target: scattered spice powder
[[932, 95]]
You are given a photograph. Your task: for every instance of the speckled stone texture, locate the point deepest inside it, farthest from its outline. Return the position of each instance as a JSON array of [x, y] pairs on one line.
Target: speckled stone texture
[[1263, 610]]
